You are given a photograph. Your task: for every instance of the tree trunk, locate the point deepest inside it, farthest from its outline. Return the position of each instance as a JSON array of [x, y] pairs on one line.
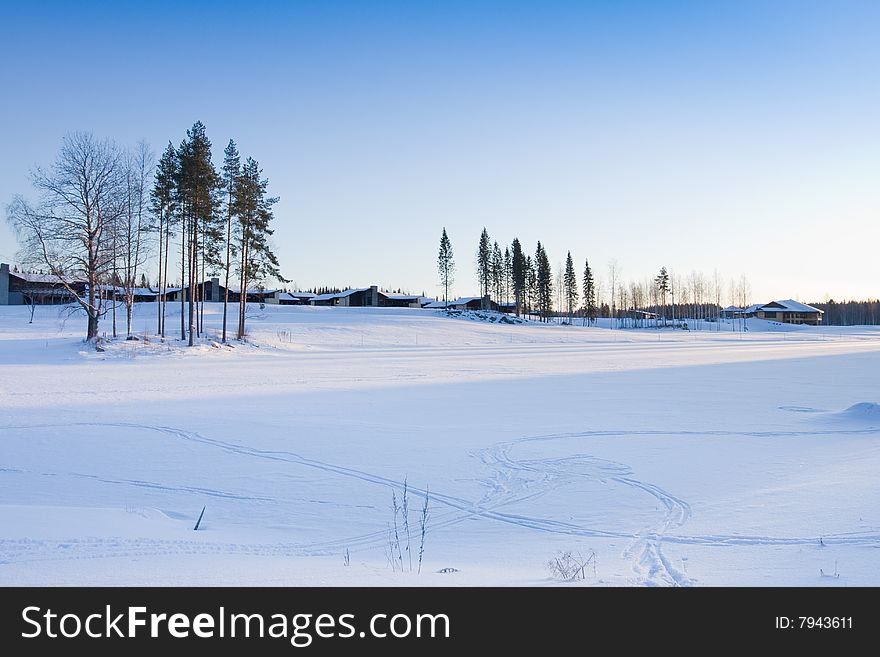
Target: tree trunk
[[183, 243], [159, 305], [228, 263], [92, 332], [201, 288], [165, 277], [92, 311], [193, 255], [242, 307]]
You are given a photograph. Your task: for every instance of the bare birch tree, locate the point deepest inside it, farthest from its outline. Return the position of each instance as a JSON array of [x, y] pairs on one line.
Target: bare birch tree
[[133, 225], [66, 231]]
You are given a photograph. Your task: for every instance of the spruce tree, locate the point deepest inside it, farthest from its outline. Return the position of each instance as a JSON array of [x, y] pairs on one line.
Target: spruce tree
[[508, 274], [497, 271], [519, 274], [589, 294], [570, 287], [544, 282], [531, 285], [446, 265], [484, 263]]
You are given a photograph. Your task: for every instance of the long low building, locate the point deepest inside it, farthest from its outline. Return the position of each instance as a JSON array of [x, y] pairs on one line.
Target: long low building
[[281, 298], [469, 303], [368, 297], [17, 288], [789, 311], [786, 311]]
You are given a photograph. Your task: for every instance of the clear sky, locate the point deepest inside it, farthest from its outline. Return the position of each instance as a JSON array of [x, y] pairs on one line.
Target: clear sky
[[738, 136]]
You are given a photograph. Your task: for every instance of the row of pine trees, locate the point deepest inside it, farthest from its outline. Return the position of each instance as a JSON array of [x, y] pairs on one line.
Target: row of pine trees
[[525, 279], [218, 220]]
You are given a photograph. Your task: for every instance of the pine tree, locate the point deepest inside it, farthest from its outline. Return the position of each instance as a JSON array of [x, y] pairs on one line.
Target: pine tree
[[446, 265], [508, 274], [253, 209], [198, 188], [497, 271], [531, 285], [231, 174], [164, 206], [544, 283], [484, 263], [519, 274], [589, 294], [570, 287], [662, 283]]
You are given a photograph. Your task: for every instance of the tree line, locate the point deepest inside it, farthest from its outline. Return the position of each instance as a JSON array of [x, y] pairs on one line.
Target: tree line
[[849, 313], [519, 279], [103, 212], [525, 282]]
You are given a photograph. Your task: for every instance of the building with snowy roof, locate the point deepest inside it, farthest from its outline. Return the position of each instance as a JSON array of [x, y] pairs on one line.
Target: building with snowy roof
[[283, 298], [368, 297], [466, 303], [787, 311], [17, 288]]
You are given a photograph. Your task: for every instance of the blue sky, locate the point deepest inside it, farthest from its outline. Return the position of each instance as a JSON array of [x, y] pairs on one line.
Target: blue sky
[[737, 136]]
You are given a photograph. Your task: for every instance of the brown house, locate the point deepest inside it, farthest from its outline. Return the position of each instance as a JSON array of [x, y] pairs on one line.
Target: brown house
[[788, 311]]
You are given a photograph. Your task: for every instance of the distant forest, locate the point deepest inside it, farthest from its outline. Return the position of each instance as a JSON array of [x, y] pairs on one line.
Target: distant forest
[[849, 313]]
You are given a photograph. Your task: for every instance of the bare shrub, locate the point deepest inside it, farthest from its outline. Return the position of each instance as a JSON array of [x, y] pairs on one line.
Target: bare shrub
[[569, 566]]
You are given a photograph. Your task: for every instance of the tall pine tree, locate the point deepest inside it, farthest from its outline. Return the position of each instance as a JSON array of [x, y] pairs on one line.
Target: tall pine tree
[[662, 283], [531, 285], [163, 205], [231, 174], [589, 294], [497, 271], [508, 274], [484, 263], [446, 265], [198, 189], [257, 261], [519, 274], [544, 283], [570, 287]]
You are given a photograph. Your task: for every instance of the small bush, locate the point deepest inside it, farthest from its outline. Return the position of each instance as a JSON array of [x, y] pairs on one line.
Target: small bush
[[569, 566]]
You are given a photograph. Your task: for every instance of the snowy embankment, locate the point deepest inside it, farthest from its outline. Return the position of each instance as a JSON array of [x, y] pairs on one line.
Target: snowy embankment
[[676, 458]]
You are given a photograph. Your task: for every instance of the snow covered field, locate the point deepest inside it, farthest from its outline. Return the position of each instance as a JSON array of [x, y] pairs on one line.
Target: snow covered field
[[686, 458]]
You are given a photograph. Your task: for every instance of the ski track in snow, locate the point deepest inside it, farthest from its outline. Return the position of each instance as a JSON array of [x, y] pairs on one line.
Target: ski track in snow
[[510, 481]]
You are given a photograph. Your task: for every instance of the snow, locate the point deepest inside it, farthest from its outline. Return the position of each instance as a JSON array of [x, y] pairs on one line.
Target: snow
[[292, 296], [44, 278], [710, 457], [791, 305], [339, 295]]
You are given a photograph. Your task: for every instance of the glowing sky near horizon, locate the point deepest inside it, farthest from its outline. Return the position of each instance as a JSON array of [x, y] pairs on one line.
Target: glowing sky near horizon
[[742, 137]]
